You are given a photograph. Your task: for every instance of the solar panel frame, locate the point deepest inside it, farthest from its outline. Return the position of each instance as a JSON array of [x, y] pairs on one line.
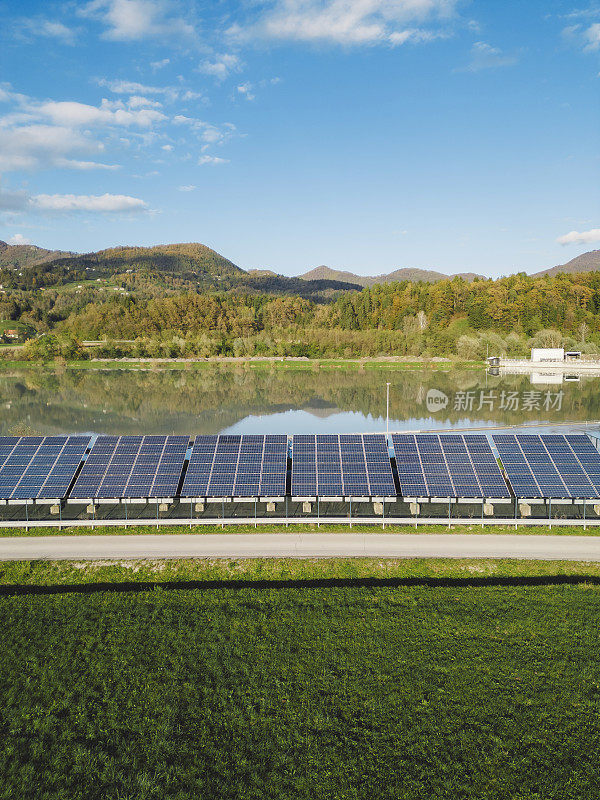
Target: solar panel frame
[[443, 466], [39, 468], [549, 467], [245, 467], [132, 468]]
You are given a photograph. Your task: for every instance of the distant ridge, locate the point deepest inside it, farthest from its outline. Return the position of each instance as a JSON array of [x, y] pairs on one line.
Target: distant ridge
[[586, 262], [17, 256], [406, 274]]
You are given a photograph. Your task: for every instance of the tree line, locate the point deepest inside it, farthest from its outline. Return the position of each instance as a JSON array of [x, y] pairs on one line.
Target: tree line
[[448, 318]]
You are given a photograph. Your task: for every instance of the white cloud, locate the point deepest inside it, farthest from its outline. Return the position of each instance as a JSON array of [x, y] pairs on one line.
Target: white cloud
[[142, 102], [135, 88], [580, 237], [18, 239], [188, 188], [75, 114], [213, 161], [28, 147], [83, 166], [66, 203], [592, 37], [49, 29], [586, 37], [156, 65], [105, 203], [484, 56], [135, 20], [246, 90], [221, 66], [347, 22], [208, 133], [167, 148]]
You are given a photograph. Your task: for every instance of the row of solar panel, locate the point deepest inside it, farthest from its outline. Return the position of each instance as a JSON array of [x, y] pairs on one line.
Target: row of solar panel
[[448, 465], [333, 465]]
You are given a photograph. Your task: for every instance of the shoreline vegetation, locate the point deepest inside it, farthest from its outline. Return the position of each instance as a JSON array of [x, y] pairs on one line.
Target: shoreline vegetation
[[285, 362]]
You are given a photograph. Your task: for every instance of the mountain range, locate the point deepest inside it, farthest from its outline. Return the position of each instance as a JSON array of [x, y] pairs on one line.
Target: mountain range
[[193, 265]]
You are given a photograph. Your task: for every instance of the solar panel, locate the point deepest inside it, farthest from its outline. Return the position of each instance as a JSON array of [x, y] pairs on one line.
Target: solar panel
[[39, 467], [379, 467], [448, 465], [197, 476], [550, 466], [347, 465], [237, 466], [304, 466], [133, 467]]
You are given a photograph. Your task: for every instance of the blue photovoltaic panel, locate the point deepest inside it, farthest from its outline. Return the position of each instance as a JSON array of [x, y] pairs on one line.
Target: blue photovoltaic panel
[[486, 467], [550, 466], [379, 467], [347, 465], [329, 466], [248, 467], [197, 476], [222, 476], [447, 465], [354, 466], [38, 467], [237, 466], [408, 464], [134, 467], [274, 466], [304, 466]]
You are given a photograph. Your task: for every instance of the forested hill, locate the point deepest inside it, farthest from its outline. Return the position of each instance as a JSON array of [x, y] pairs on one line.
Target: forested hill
[[19, 256], [586, 262], [164, 269], [405, 274]]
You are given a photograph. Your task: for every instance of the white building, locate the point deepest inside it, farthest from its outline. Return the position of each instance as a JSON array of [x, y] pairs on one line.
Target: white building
[[541, 355]]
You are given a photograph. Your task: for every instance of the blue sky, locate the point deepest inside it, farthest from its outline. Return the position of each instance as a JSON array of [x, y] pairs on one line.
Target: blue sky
[[363, 134]]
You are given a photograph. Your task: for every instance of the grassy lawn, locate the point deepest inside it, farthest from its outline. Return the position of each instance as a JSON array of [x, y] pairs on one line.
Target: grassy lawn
[[165, 572], [200, 530], [284, 691]]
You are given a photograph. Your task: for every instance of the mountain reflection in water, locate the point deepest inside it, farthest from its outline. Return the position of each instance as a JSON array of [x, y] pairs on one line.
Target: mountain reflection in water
[[241, 399]]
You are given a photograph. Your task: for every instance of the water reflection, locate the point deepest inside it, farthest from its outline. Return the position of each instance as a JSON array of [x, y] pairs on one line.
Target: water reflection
[[246, 399]]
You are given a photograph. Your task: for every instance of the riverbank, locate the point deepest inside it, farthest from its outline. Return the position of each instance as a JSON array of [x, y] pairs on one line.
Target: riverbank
[[387, 362]]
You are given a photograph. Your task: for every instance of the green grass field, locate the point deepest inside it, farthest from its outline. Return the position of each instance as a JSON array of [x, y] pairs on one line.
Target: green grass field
[[289, 691], [199, 530]]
